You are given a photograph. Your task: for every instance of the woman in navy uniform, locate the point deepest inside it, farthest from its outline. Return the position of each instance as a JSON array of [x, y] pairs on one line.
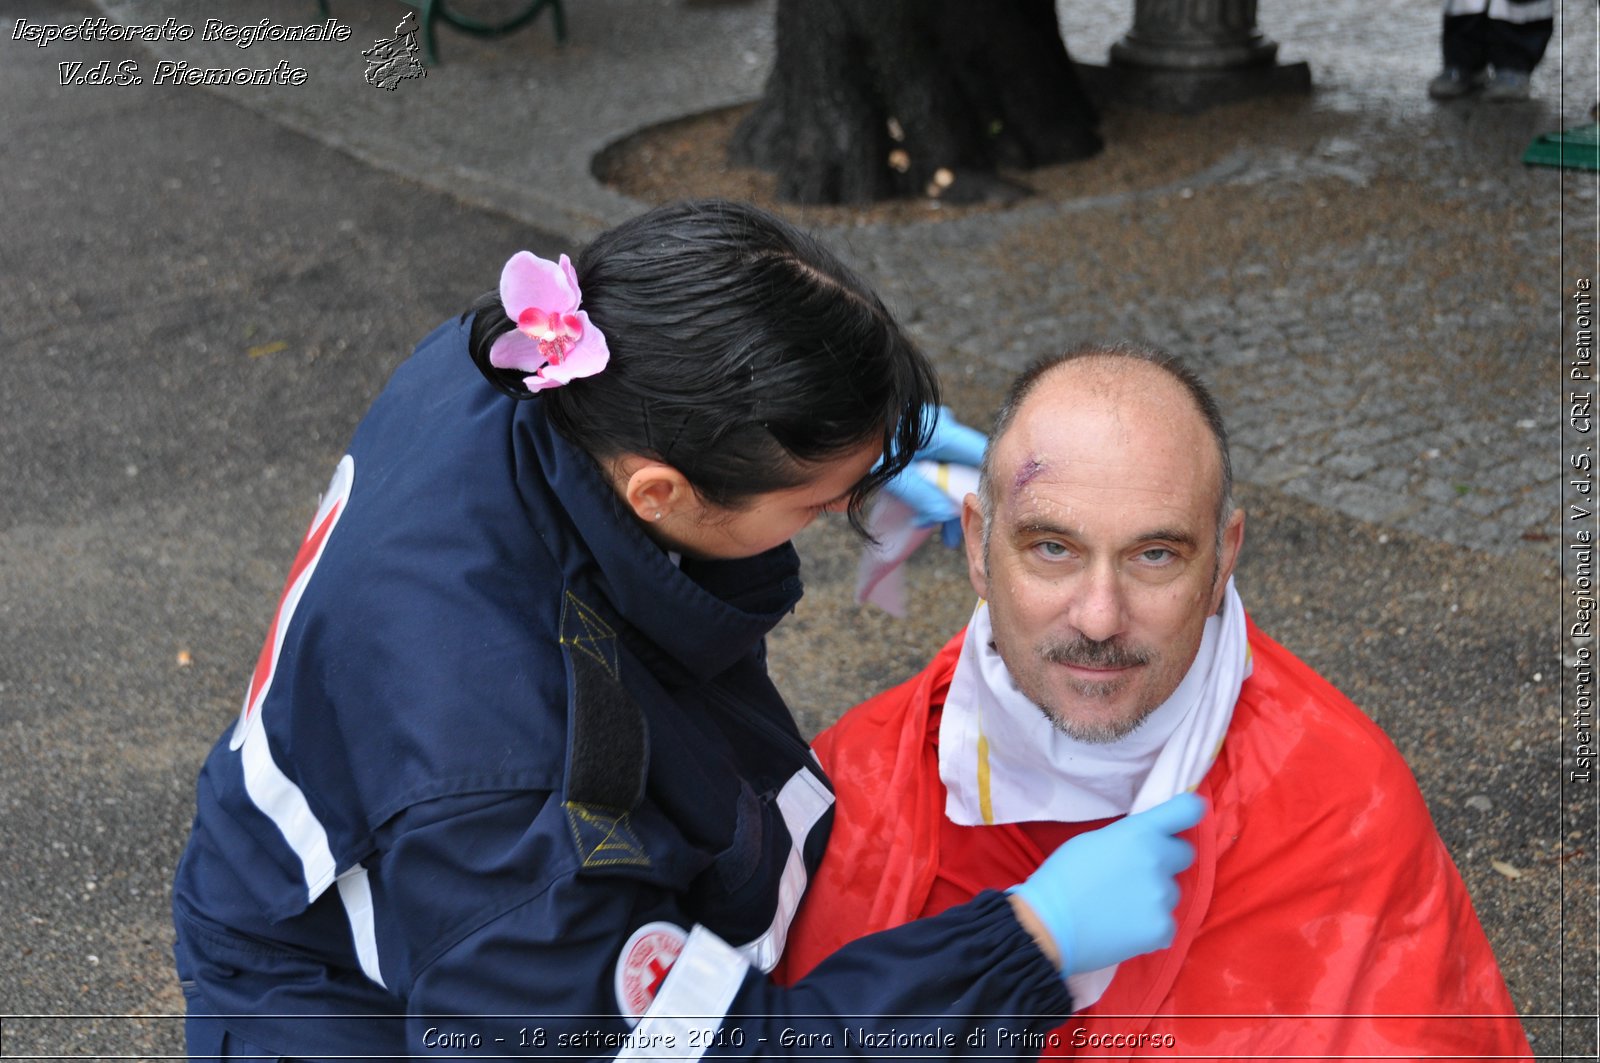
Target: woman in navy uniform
[[510, 776]]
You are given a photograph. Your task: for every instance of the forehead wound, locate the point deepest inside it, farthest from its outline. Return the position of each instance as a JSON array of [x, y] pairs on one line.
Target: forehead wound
[[1027, 472]]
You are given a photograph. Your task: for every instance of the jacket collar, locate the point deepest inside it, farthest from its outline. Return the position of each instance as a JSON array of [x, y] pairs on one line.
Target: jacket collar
[[704, 615]]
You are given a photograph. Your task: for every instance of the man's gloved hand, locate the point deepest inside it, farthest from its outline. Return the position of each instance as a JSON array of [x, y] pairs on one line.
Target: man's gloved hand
[[953, 442], [1107, 896]]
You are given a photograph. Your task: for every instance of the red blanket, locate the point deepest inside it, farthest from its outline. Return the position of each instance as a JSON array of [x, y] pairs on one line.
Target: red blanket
[[1322, 918]]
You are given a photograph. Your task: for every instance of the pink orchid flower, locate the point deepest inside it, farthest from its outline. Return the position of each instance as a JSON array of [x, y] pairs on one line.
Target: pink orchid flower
[[554, 341]]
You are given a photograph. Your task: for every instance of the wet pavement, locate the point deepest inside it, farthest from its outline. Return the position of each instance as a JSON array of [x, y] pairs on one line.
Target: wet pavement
[[1335, 305], [201, 298]]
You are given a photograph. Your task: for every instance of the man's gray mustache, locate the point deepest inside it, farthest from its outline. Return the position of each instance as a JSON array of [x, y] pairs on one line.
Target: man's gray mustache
[[1087, 653]]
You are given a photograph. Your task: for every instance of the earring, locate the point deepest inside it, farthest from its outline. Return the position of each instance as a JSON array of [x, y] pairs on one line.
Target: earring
[[658, 514]]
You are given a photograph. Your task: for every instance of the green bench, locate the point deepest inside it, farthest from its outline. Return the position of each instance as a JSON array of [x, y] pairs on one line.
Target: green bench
[[435, 11]]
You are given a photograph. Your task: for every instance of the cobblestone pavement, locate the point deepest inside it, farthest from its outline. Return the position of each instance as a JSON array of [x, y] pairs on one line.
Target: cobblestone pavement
[[1372, 281]]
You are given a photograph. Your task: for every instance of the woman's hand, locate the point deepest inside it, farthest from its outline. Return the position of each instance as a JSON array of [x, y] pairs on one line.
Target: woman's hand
[[1108, 895], [953, 442]]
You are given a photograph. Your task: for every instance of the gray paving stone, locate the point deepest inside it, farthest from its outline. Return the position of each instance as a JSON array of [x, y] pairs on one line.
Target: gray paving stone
[[1352, 464], [1483, 501], [1390, 478], [1363, 501]]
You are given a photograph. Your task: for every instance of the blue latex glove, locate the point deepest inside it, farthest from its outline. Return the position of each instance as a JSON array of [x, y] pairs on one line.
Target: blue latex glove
[[951, 441], [1107, 896]]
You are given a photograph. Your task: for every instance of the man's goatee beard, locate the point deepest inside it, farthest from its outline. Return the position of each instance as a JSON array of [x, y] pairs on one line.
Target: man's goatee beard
[[1087, 653]]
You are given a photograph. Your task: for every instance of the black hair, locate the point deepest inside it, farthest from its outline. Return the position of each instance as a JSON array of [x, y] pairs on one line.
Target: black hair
[[742, 351], [1205, 404]]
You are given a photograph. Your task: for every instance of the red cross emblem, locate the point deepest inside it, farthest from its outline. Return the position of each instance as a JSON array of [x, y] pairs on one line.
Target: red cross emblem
[[643, 966]]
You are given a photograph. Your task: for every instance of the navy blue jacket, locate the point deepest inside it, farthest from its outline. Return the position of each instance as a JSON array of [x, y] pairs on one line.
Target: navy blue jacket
[[503, 765]]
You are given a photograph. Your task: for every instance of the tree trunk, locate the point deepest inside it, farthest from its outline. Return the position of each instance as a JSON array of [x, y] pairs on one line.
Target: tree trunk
[[872, 99]]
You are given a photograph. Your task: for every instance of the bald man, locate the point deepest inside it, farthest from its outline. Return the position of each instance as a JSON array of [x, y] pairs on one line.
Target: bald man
[[1108, 666]]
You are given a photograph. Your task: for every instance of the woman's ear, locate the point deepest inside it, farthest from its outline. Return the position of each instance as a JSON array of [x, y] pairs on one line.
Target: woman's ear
[[653, 489]]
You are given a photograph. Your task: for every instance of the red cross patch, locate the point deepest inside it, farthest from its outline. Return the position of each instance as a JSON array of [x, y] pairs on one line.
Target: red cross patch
[[643, 966]]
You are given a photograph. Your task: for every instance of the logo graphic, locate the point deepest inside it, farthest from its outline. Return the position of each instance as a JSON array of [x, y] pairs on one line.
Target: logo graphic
[[393, 60], [603, 837], [643, 966], [584, 630]]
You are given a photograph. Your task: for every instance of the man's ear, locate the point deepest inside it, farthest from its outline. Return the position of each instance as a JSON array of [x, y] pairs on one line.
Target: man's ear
[[972, 536], [1232, 543], [653, 489]]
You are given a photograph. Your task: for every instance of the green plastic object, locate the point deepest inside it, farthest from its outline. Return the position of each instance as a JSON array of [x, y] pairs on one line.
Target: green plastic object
[[1577, 148], [434, 10]]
